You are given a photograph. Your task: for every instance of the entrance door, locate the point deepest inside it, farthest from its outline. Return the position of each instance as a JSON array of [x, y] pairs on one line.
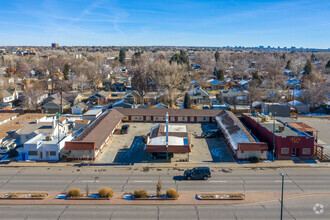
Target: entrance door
[[41, 155], [294, 152], [47, 154]]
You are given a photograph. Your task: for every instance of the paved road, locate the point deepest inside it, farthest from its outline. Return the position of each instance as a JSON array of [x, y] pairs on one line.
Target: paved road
[[298, 208], [125, 179]]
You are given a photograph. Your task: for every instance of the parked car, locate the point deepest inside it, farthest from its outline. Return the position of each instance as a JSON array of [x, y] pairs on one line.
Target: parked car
[[212, 133], [124, 129], [198, 173]]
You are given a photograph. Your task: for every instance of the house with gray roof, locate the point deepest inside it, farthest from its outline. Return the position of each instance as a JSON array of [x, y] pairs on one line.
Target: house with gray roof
[[199, 96]]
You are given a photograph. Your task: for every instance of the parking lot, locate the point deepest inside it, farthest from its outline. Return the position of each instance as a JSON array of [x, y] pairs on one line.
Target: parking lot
[[129, 148]]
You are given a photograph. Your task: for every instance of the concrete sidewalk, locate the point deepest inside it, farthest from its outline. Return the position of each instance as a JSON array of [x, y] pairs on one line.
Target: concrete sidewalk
[[186, 198], [275, 164]]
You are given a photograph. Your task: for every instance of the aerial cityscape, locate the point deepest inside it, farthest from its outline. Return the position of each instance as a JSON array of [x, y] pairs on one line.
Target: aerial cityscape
[[164, 109]]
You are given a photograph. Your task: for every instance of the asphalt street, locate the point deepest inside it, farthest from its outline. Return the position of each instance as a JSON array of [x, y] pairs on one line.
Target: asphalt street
[[128, 179], [297, 208]]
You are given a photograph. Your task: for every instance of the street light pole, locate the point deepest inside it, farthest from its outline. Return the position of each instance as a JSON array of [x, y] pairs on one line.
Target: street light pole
[[281, 174], [166, 136], [274, 137]]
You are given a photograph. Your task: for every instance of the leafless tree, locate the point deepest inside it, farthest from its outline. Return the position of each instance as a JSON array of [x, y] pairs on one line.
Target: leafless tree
[[22, 69], [254, 92], [142, 77], [314, 94], [173, 78], [32, 96]]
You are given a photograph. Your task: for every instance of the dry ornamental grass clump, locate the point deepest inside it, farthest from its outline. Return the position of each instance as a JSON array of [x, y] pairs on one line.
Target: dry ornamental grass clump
[[74, 192], [172, 193], [140, 193], [106, 192]]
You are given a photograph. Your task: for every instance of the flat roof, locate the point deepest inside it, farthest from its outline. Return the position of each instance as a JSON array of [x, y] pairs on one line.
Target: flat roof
[[93, 112], [42, 137], [81, 121], [172, 140], [176, 128], [279, 121], [18, 123], [4, 116]]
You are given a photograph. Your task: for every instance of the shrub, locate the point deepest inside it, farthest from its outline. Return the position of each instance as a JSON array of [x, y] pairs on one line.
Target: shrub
[[12, 195], [172, 193], [105, 192], [74, 192], [38, 195], [254, 160], [140, 193]]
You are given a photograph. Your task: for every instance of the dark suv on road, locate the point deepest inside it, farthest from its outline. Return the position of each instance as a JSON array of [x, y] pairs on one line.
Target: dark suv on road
[[198, 173]]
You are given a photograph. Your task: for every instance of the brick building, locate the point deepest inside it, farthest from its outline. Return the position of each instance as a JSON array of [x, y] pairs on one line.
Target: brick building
[[289, 141]]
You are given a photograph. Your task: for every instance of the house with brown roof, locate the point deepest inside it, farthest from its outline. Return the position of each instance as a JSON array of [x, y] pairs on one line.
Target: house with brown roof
[[6, 96]]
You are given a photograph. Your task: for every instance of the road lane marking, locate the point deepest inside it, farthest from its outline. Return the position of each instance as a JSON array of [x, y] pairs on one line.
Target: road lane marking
[[90, 181], [142, 181], [218, 181], [286, 181]]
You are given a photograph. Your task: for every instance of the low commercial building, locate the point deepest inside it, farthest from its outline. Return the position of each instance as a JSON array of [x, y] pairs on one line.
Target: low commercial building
[[241, 142], [44, 147], [289, 141], [175, 115], [92, 140], [178, 140]]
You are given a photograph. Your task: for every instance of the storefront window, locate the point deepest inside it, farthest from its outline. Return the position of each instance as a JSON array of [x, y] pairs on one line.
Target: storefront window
[[285, 151]]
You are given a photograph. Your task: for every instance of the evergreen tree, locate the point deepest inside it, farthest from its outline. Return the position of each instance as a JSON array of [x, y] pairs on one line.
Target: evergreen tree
[[313, 57], [217, 56], [187, 101], [288, 65], [327, 65], [181, 58], [308, 67], [2, 60], [66, 71], [122, 56], [220, 74], [257, 78], [283, 56]]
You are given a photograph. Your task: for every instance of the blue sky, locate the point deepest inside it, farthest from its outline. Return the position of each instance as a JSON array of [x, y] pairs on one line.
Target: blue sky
[[177, 22]]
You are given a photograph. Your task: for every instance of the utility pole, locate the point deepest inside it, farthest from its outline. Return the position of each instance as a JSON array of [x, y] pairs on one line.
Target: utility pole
[[61, 102], [281, 174], [274, 137]]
